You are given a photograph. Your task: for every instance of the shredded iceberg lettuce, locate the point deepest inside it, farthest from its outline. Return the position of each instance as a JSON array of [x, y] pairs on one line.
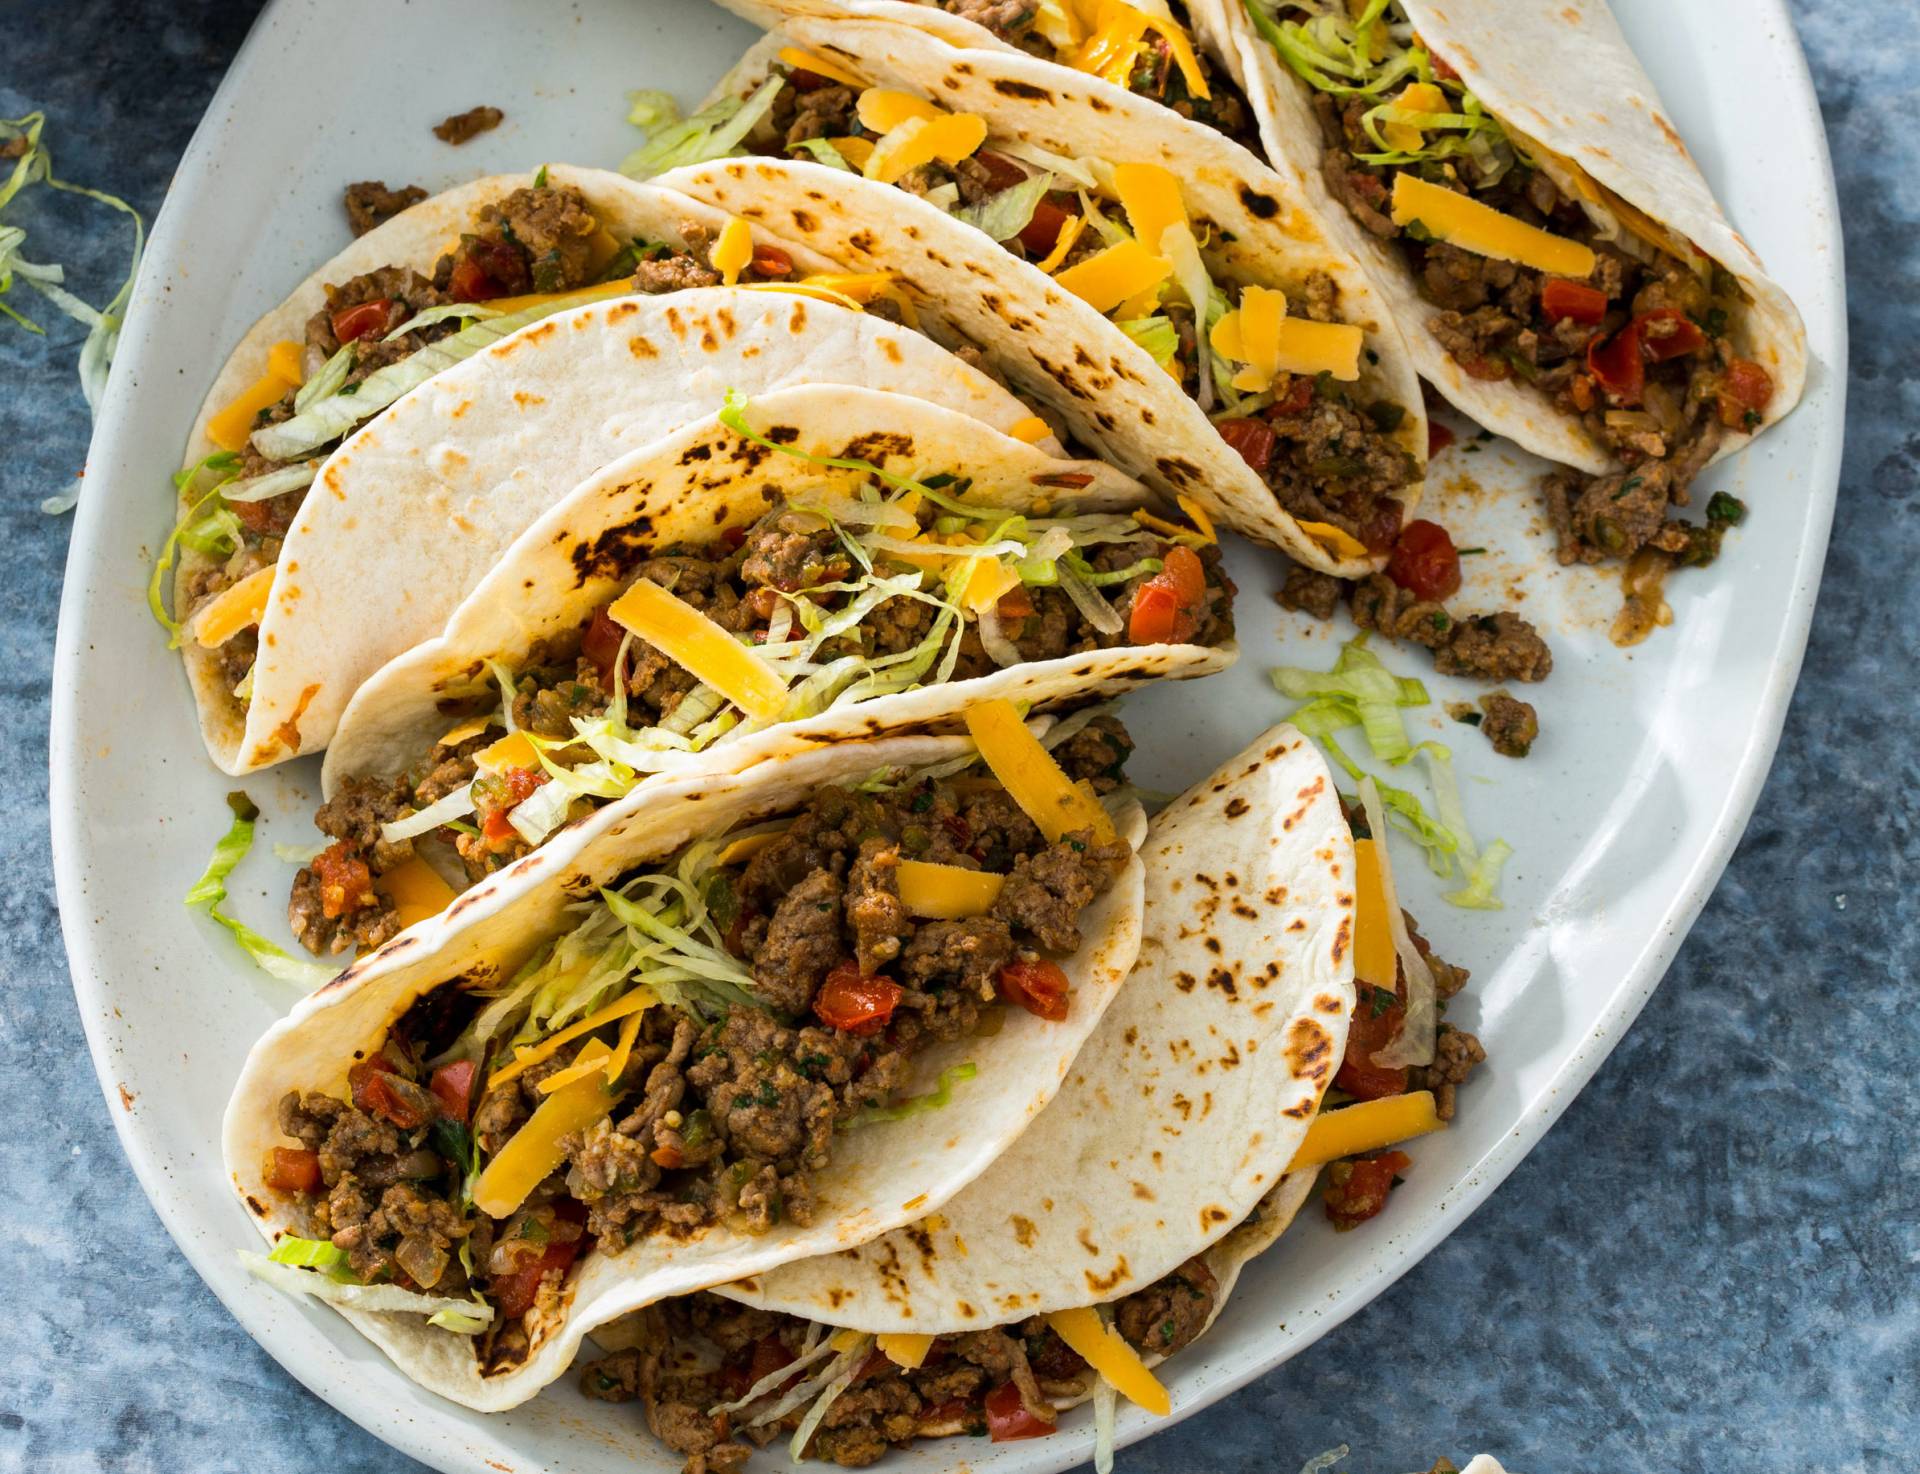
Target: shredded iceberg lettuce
[[712, 133], [1156, 334], [463, 1317], [210, 890], [1004, 215], [648, 107], [824, 152]]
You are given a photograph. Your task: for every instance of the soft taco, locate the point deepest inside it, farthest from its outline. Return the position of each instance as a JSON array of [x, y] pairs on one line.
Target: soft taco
[[1561, 269], [691, 1045], [1108, 1237], [1283, 403], [477, 316], [825, 562]]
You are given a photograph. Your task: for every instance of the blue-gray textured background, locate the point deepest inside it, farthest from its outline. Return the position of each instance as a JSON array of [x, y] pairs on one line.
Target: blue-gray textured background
[[1709, 1264]]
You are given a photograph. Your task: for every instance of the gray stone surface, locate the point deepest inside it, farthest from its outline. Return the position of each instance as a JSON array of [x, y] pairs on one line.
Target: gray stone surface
[[1708, 1265]]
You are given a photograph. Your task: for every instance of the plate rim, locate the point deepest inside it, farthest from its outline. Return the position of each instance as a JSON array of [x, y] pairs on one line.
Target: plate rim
[[360, 1399]]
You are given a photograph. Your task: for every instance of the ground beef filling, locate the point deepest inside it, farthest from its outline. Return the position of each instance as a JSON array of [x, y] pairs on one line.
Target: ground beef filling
[[370, 203], [722, 1118], [695, 1352], [736, 583], [1492, 322], [539, 239], [1486, 647], [461, 127]]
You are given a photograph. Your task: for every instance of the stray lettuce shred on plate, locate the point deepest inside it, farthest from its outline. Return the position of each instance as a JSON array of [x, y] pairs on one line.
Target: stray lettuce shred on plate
[[1361, 692], [21, 141], [210, 891]]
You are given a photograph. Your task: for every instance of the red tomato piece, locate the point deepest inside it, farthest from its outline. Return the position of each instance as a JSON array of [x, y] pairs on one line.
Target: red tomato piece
[[1166, 608], [1424, 561], [350, 323], [1375, 1025], [1746, 388], [1439, 437], [346, 884], [1667, 332], [1039, 986], [1561, 298], [1042, 233], [1015, 604], [771, 261], [379, 1092], [513, 1294], [487, 268], [601, 642], [806, 81], [667, 1158], [735, 538], [1002, 172], [498, 797], [1297, 399], [855, 1002], [1381, 525], [452, 1086], [292, 1169], [1490, 370], [1008, 1418], [1253, 439], [769, 1355], [1357, 1190], [1617, 364]]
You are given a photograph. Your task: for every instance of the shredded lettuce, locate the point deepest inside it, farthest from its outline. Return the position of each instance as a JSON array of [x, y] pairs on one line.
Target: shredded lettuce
[[824, 152], [270, 483], [712, 133], [649, 107], [333, 373], [1106, 1408], [210, 890], [1320, 1463], [428, 316], [463, 1317], [1156, 334], [317, 1254], [916, 1105], [35, 166], [844, 1369], [299, 854], [1481, 892], [1004, 215]]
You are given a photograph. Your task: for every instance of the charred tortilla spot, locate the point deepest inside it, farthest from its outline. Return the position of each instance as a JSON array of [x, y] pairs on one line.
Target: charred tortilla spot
[[642, 348], [878, 447], [1178, 470], [1236, 807], [1099, 104], [1343, 935], [862, 241], [613, 552], [1260, 206], [1026, 91], [805, 221], [1309, 1050], [1103, 1284], [1186, 982]]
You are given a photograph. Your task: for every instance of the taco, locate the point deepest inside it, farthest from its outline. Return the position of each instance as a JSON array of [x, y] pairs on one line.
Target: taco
[[1109, 1235], [487, 426], [1285, 406], [773, 1015], [825, 563], [1560, 267]]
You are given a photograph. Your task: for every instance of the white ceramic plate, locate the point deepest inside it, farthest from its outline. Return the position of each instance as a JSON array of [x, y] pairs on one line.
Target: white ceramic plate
[[1622, 819]]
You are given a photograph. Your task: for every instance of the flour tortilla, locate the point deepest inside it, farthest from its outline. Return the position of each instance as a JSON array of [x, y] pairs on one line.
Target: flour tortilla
[[1563, 76], [408, 515], [1184, 1109], [881, 1176], [687, 487], [1048, 343]]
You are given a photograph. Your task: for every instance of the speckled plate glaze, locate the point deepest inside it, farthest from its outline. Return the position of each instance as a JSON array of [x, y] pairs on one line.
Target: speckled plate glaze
[[1622, 818]]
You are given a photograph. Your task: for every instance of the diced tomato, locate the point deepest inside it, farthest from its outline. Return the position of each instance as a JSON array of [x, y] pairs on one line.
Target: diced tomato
[[806, 81], [1580, 391], [1008, 1418], [1038, 986], [772, 261], [1042, 232], [486, 268], [1442, 71], [1617, 365], [1439, 437], [1381, 525], [452, 1086], [1071, 480], [346, 884], [350, 323], [513, 1294], [379, 1092], [1002, 172], [1015, 604], [498, 797], [1254, 439], [293, 1169], [1491, 370], [1357, 1190], [769, 1355], [1375, 1024], [735, 538], [1745, 390], [1667, 332], [667, 1158], [1424, 561], [601, 642], [1167, 607], [1296, 400], [855, 1002], [1561, 298]]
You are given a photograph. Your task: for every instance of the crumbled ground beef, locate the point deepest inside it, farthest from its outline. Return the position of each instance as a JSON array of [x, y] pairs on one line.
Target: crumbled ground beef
[[1310, 592], [696, 1351], [470, 124], [370, 203], [1456, 1054], [1492, 647], [1510, 725]]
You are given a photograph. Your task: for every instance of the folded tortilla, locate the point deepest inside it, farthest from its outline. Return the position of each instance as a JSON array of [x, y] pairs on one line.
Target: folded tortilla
[[1187, 1104], [879, 1178], [1257, 226], [1563, 78], [407, 516], [687, 490]]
